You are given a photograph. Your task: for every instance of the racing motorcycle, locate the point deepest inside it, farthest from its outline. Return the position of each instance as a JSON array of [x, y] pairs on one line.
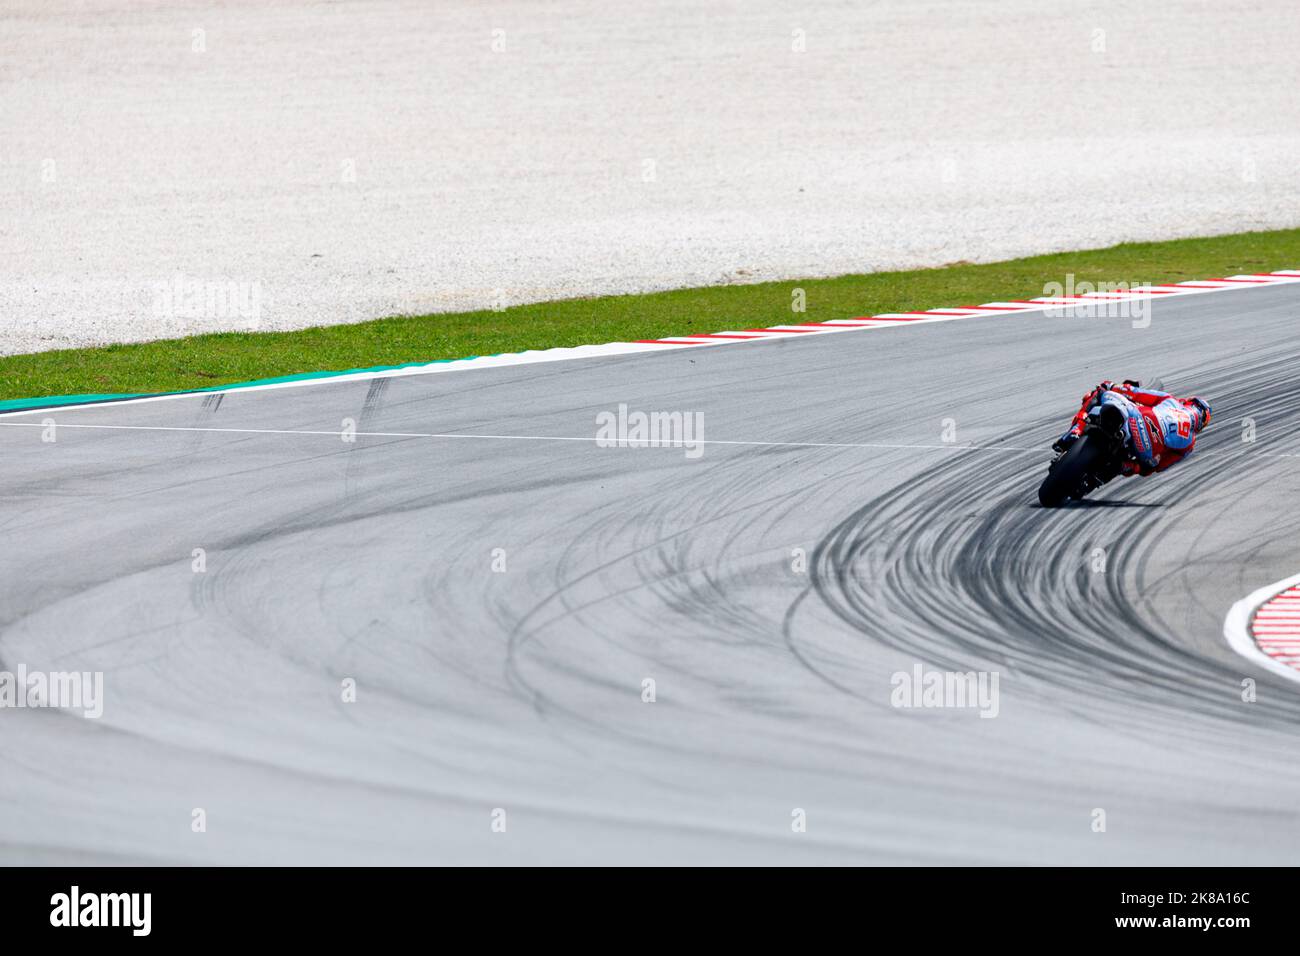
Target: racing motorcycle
[[1094, 459]]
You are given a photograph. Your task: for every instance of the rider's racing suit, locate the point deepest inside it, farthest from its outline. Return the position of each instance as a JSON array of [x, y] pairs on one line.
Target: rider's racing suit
[[1162, 429]]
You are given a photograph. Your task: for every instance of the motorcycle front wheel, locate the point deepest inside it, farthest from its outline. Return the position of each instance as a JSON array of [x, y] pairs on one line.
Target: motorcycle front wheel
[[1065, 477]]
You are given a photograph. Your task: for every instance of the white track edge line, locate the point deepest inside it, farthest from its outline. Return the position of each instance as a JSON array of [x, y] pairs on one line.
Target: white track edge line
[[1236, 627]]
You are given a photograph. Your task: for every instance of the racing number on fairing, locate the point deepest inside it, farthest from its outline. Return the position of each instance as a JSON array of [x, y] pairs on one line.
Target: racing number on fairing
[[1184, 424]]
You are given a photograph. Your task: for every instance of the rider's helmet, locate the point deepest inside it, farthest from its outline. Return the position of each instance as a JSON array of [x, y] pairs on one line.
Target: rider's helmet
[[1203, 407]]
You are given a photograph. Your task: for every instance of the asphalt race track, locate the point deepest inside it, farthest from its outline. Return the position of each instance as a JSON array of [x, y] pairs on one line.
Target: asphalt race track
[[521, 689]]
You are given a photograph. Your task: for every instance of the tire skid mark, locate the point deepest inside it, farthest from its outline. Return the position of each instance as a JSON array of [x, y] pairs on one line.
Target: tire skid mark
[[961, 567]]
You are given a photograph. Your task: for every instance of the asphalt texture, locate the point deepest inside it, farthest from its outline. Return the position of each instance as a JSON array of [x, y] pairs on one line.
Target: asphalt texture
[[500, 602]]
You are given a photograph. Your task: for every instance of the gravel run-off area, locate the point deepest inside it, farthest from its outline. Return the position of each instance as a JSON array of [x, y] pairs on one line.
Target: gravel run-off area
[[274, 165]]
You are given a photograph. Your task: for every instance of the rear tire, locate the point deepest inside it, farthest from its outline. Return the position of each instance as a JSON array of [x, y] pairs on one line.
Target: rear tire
[[1066, 475]]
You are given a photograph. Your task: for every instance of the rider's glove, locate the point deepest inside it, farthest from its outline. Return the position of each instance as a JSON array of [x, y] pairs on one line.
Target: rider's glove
[[1133, 467]]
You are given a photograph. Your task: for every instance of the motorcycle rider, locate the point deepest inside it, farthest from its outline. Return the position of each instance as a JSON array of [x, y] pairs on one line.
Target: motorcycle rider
[[1162, 429]]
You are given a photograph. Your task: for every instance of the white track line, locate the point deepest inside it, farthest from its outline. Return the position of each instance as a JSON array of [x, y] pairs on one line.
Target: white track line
[[1009, 449], [50, 420], [1237, 629]]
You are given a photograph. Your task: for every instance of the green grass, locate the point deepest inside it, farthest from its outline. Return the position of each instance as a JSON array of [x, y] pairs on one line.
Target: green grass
[[207, 360]]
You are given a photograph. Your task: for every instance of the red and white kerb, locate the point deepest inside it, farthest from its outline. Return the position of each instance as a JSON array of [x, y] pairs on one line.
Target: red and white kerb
[[896, 319], [1275, 626]]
